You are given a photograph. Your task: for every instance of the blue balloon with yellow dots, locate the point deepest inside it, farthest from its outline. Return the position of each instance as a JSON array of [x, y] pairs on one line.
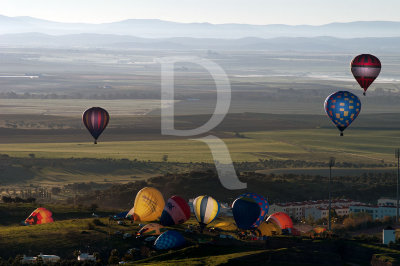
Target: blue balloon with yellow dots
[[342, 107]]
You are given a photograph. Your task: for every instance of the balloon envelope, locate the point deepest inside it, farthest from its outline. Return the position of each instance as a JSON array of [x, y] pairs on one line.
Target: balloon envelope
[[365, 69], [40, 216], [206, 209], [120, 215], [249, 210], [176, 211], [268, 229], [342, 107], [148, 206], [95, 120], [281, 219], [319, 230], [226, 226], [168, 240], [152, 229]]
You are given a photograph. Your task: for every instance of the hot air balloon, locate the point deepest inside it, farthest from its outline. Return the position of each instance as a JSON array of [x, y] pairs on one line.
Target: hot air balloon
[[148, 206], [342, 107], [226, 226], [168, 240], [120, 216], [281, 219], [176, 211], [249, 210], [365, 69], [206, 210], [267, 229], [95, 120], [40, 216], [152, 229], [319, 230]]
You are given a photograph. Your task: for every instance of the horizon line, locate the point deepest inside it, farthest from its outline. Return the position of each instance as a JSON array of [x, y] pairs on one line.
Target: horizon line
[[197, 22]]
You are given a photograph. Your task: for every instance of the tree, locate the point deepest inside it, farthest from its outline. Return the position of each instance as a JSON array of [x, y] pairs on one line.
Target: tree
[[76, 253], [97, 256], [114, 257], [55, 190], [165, 158], [93, 207], [39, 260], [17, 260]]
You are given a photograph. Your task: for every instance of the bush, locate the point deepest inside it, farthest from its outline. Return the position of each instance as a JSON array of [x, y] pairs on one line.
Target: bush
[[98, 222], [90, 226]]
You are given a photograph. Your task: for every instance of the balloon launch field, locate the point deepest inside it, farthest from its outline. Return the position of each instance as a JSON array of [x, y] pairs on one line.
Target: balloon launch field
[[74, 230]]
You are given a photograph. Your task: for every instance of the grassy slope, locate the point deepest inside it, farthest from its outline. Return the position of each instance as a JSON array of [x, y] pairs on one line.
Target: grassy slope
[[66, 235]]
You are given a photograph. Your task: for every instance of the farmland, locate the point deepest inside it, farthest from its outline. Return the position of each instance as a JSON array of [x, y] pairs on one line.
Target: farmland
[[372, 146]]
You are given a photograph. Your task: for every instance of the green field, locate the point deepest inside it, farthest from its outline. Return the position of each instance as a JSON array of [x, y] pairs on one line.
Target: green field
[[361, 146]]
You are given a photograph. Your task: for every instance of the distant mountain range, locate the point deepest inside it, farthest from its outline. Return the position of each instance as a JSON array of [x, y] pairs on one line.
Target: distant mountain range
[[153, 28], [109, 41]]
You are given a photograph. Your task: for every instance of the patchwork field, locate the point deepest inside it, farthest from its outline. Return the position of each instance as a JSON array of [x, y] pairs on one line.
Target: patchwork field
[[361, 146]]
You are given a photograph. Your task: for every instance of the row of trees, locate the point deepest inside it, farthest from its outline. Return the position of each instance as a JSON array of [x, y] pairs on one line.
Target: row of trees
[[6, 199]]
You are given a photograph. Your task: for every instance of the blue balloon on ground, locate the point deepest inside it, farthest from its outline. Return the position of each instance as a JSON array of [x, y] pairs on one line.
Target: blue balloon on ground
[[342, 107], [120, 215], [249, 210], [169, 240]]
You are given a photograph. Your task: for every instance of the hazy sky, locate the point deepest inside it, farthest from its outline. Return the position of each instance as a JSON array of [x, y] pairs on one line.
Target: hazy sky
[[292, 12]]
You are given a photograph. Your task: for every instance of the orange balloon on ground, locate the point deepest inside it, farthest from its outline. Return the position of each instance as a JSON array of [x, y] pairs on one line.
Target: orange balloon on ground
[[40, 216], [319, 230], [281, 219]]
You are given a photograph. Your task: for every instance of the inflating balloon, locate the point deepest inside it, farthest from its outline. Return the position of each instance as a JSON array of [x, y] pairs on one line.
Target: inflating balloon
[[152, 229], [281, 219], [226, 226], [365, 69], [148, 206], [168, 240], [268, 229], [40, 216], [342, 107], [319, 230], [176, 211], [95, 120], [206, 209], [249, 210]]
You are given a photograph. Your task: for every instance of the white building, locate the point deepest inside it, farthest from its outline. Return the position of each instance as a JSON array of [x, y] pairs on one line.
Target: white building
[[319, 212], [49, 258], [86, 256], [377, 212], [297, 210], [388, 235], [28, 260], [387, 202]]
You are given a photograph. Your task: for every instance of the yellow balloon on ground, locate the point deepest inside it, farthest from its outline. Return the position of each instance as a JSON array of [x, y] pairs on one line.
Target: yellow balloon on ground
[[148, 206], [226, 226], [268, 229]]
